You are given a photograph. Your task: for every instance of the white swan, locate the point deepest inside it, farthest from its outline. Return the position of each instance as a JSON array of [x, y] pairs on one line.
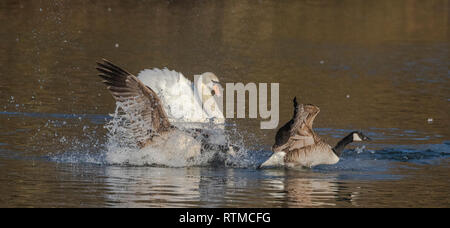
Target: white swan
[[148, 120], [183, 100]]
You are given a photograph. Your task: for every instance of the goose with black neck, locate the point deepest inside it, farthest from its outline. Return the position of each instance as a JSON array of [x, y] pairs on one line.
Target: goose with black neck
[[297, 145]]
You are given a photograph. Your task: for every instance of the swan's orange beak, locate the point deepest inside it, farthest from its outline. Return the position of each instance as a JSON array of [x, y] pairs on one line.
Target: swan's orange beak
[[216, 89]]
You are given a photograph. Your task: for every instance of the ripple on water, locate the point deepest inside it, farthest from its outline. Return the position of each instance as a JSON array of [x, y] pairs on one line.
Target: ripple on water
[[353, 160], [406, 153]]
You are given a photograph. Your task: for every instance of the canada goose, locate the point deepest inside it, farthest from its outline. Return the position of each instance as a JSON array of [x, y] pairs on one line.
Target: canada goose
[[296, 143]]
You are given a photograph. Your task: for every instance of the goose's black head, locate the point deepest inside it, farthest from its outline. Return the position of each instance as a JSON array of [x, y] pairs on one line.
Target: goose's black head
[[355, 136], [359, 136]]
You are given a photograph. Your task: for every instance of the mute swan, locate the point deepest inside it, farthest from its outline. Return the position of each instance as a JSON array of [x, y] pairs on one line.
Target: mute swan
[[186, 101], [145, 107], [154, 127], [296, 143]]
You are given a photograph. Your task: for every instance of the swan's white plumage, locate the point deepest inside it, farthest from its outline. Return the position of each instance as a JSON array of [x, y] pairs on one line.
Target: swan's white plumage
[[140, 130], [177, 95]]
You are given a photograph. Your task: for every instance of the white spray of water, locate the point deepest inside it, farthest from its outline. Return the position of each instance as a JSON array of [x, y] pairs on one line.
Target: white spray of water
[[178, 149], [360, 150], [175, 149]]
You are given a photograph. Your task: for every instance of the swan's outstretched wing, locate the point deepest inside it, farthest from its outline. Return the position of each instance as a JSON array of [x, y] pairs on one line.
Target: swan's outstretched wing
[[298, 132], [125, 87]]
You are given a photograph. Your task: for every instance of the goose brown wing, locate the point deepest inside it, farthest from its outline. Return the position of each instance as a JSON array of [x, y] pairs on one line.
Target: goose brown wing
[[298, 132], [126, 87]]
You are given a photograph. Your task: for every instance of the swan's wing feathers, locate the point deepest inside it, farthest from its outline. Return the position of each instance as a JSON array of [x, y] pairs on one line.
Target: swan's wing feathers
[[126, 87]]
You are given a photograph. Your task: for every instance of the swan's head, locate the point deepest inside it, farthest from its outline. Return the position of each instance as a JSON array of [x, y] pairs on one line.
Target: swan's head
[[212, 84], [359, 136]]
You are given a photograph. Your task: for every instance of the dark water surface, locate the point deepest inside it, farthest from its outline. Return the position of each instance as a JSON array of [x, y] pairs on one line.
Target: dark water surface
[[381, 67]]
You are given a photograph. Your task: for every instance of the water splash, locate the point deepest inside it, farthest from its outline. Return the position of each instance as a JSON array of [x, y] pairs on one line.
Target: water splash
[[178, 148]]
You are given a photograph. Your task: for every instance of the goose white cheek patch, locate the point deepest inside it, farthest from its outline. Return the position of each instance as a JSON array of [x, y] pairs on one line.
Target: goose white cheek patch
[[356, 138]]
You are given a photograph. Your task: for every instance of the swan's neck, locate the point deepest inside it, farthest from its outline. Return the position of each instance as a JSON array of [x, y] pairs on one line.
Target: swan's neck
[[342, 144], [199, 86], [206, 94], [202, 95]]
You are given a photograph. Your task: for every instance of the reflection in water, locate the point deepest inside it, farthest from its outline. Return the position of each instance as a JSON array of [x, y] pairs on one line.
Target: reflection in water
[[301, 188], [311, 192], [205, 187], [376, 66], [83, 185], [156, 187]]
